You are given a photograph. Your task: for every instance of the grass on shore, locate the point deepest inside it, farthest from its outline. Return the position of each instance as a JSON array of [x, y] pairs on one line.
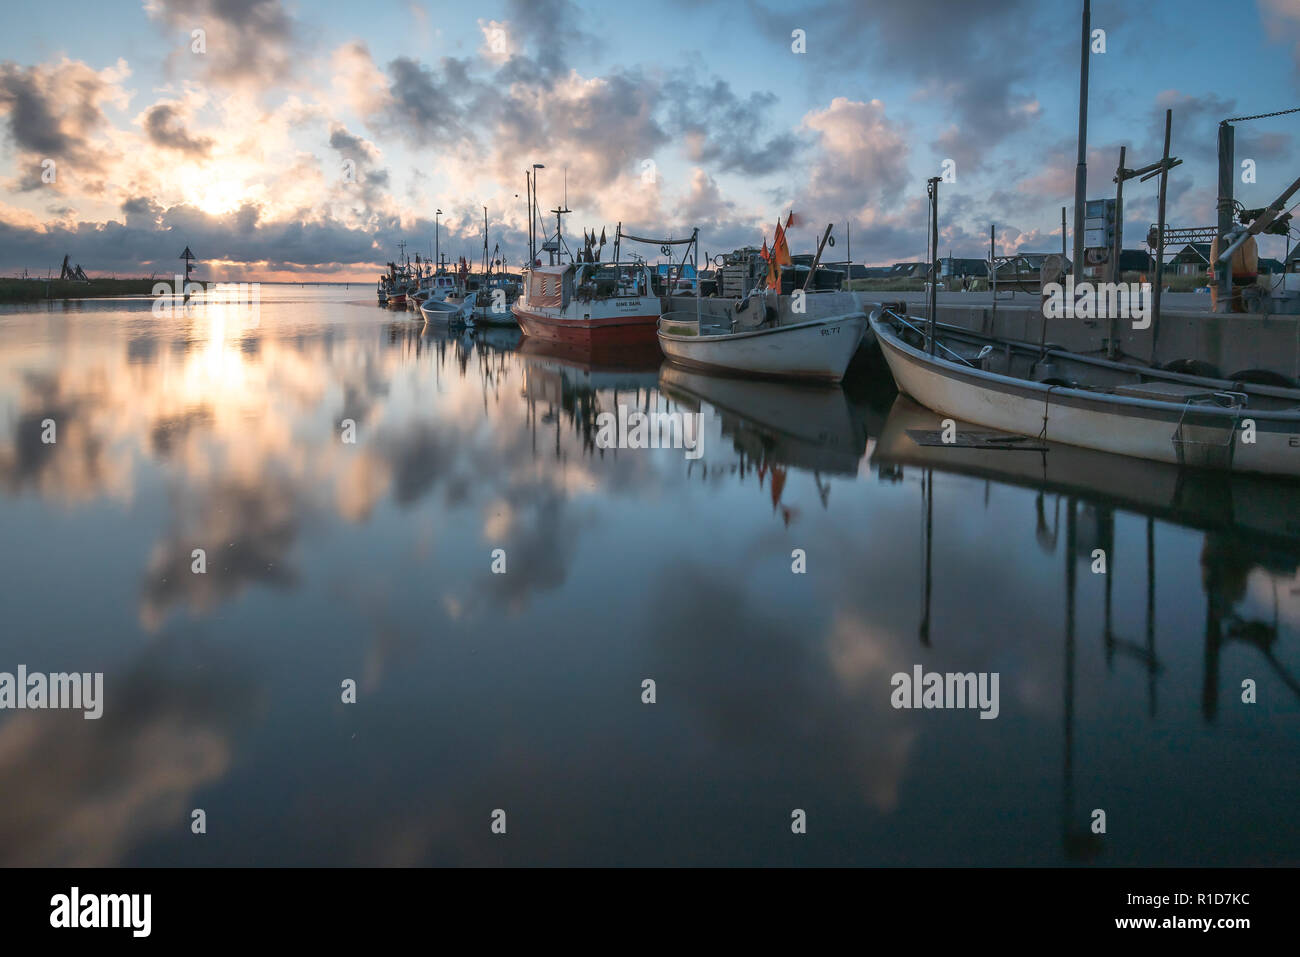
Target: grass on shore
[[34, 290]]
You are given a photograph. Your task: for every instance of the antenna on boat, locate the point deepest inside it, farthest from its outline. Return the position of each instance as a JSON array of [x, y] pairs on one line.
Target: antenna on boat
[[559, 212]]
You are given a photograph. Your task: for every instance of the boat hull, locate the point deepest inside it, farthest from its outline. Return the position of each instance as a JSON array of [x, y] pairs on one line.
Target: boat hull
[[1141, 428], [445, 312], [820, 349], [626, 330]]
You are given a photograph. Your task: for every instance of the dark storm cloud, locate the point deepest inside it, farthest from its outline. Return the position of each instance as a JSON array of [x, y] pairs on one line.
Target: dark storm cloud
[[550, 28], [362, 154], [166, 128], [51, 112], [724, 130], [246, 40], [151, 238], [424, 104]]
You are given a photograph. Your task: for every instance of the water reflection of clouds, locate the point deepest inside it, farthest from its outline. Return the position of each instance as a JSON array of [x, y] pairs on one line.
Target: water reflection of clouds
[[88, 793]]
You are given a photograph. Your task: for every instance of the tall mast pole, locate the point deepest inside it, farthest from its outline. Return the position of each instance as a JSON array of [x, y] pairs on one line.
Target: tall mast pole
[[932, 266], [1081, 169]]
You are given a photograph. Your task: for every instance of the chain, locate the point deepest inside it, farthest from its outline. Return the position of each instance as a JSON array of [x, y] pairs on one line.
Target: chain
[[1262, 116]]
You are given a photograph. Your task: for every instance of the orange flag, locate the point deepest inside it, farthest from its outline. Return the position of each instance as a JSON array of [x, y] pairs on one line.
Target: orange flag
[[763, 252], [780, 251], [792, 220]]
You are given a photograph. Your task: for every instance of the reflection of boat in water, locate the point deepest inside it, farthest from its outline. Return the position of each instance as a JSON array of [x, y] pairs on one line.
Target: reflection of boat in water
[[805, 426], [500, 338], [640, 358], [1268, 508], [553, 368], [1250, 523], [564, 382]]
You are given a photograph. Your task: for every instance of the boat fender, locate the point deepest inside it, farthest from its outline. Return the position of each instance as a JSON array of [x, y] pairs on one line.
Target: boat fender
[[1263, 377], [1196, 367]]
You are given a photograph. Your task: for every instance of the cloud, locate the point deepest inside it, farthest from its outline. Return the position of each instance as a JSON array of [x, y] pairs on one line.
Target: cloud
[[166, 128], [861, 163], [54, 111], [722, 129], [246, 43]]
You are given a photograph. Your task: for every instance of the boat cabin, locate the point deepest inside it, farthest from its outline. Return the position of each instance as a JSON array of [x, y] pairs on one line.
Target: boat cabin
[[556, 286]]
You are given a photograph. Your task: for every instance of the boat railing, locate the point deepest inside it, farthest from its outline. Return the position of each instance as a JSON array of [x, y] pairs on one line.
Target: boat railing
[[903, 322]]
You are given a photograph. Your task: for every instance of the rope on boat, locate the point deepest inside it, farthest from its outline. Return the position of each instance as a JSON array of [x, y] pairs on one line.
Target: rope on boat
[[1042, 433]]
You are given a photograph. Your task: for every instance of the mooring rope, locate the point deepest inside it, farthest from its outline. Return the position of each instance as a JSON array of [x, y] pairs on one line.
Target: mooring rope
[[1047, 404]]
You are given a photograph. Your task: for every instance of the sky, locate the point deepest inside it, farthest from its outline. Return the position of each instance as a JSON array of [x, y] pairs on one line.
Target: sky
[[294, 141]]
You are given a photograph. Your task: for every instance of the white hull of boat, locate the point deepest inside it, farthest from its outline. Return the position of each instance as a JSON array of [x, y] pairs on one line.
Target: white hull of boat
[[446, 312], [818, 349], [1143, 428]]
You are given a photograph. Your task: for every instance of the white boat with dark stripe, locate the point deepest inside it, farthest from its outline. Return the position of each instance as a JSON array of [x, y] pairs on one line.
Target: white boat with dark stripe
[[1091, 402]]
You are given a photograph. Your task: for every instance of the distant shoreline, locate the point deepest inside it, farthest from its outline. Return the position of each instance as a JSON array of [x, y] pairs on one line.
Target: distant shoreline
[[18, 290]]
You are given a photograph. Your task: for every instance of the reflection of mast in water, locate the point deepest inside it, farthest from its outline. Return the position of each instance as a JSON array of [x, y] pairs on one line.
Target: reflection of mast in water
[[1079, 840], [1145, 654], [927, 499], [1224, 573]]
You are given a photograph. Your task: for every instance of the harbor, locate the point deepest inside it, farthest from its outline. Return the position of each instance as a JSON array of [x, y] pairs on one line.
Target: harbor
[[373, 560], [538, 438]]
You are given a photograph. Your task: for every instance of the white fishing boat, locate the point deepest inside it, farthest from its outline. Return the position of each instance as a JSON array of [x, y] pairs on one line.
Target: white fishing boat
[[458, 312], [1032, 390], [818, 348]]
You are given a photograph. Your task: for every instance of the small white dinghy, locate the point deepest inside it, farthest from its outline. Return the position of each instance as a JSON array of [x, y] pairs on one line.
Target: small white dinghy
[[819, 348], [447, 311]]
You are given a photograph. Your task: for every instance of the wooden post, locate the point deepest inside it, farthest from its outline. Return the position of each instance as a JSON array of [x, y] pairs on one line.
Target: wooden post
[[1118, 250], [1081, 168], [1222, 278], [1160, 239]]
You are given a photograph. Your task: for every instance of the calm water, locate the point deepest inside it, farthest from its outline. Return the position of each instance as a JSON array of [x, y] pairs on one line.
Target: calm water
[[522, 691]]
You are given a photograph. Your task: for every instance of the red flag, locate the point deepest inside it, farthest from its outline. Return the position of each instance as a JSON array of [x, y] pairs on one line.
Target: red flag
[[780, 251], [763, 252], [792, 220]]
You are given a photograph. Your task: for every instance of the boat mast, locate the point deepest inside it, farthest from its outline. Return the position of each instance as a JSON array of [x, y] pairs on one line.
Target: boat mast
[[932, 265], [559, 212], [1081, 167]]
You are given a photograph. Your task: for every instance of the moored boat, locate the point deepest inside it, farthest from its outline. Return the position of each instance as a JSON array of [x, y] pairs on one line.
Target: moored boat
[[454, 312], [1091, 402], [589, 304], [817, 349]]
